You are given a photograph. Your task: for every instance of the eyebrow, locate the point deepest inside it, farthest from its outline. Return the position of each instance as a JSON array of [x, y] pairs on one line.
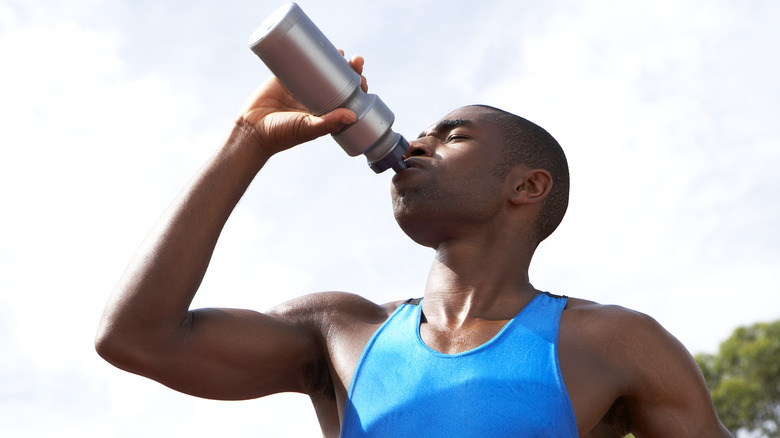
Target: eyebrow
[[447, 125]]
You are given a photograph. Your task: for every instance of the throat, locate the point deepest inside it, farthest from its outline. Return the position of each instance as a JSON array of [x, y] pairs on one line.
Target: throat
[[454, 340], [452, 324]]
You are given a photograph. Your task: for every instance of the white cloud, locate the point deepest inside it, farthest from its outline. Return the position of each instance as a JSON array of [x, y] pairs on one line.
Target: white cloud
[[93, 150], [73, 151], [667, 111], [666, 116]]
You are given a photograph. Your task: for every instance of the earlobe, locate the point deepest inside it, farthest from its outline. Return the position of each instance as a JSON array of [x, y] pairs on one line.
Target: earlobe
[[530, 186]]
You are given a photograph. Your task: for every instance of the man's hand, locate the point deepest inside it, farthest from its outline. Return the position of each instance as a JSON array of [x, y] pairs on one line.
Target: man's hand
[[281, 122]]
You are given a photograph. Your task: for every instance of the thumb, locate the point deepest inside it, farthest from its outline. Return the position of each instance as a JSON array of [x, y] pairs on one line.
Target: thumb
[[335, 121]]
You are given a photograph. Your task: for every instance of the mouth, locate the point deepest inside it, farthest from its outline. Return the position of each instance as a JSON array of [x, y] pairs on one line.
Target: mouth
[[413, 165], [416, 163]]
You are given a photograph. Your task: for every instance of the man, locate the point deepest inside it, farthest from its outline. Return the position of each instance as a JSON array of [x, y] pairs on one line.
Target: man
[[482, 354]]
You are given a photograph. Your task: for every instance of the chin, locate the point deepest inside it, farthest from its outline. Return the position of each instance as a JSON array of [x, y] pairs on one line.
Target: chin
[[418, 229]]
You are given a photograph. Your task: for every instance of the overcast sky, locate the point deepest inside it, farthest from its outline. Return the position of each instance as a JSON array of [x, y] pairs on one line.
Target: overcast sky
[[668, 111]]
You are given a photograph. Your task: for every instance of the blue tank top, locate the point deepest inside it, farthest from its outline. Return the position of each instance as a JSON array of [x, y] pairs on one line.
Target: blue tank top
[[511, 386]]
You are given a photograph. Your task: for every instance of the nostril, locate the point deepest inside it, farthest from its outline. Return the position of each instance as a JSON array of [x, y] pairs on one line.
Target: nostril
[[417, 149], [414, 151]]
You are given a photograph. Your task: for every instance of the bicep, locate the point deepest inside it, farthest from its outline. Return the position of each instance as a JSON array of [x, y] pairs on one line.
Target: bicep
[[236, 354]]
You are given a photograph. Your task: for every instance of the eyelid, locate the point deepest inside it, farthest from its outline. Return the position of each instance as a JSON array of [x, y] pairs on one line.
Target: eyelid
[[455, 135]]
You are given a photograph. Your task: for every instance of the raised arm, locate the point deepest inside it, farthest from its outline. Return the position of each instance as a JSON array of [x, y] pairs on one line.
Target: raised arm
[[147, 327]]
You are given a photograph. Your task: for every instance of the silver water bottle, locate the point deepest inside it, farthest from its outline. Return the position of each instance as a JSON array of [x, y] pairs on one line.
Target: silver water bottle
[[314, 71]]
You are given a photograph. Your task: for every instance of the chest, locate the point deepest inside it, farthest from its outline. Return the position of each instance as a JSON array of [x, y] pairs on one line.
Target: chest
[[508, 386], [347, 348]]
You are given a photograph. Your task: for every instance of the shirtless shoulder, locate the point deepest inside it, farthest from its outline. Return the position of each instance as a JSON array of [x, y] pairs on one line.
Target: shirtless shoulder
[[341, 323], [335, 314], [624, 372]]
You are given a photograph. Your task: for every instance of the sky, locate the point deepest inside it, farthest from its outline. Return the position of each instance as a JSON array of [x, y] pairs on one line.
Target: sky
[[668, 112]]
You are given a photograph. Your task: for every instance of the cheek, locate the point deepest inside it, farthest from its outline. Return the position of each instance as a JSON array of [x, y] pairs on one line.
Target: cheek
[[473, 183], [469, 188], [479, 194]]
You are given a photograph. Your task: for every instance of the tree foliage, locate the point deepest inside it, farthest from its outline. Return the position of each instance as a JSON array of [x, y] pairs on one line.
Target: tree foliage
[[744, 379]]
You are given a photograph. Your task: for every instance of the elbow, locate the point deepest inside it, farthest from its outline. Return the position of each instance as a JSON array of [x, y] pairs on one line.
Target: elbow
[[108, 345], [117, 348], [131, 348]]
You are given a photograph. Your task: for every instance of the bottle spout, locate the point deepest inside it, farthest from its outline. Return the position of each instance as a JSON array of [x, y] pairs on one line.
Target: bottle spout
[[393, 158], [399, 166]]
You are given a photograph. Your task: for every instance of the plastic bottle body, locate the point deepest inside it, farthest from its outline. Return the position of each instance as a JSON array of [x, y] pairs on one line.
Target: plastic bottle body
[[314, 71]]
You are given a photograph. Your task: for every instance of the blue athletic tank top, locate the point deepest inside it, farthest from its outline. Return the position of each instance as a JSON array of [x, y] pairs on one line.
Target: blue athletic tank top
[[511, 386]]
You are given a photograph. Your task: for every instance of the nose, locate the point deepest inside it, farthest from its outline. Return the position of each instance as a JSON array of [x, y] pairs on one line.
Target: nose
[[419, 147]]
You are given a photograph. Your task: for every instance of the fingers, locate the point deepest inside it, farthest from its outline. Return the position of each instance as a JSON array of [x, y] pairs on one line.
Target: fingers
[[338, 119], [357, 62], [308, 127]]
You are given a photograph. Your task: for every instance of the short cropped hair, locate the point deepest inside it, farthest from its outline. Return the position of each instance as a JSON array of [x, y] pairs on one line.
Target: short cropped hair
[[528, 143]]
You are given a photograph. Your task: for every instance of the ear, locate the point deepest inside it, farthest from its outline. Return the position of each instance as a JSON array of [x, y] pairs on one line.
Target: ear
[[529, 186]]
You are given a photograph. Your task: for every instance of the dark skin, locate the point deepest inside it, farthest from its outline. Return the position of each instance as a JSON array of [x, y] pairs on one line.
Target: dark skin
[[622, 370]]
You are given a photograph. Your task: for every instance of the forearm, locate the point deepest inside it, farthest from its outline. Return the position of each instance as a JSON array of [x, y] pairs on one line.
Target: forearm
[[152, 299]]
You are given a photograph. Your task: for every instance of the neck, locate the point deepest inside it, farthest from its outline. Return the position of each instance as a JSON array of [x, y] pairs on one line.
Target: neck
[[469, 282]]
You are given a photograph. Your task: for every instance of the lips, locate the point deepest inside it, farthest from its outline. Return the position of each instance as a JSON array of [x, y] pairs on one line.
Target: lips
[[416, 163]]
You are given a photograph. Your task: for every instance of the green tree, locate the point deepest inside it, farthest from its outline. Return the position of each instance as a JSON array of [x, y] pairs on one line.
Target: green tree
[[744, 379]]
